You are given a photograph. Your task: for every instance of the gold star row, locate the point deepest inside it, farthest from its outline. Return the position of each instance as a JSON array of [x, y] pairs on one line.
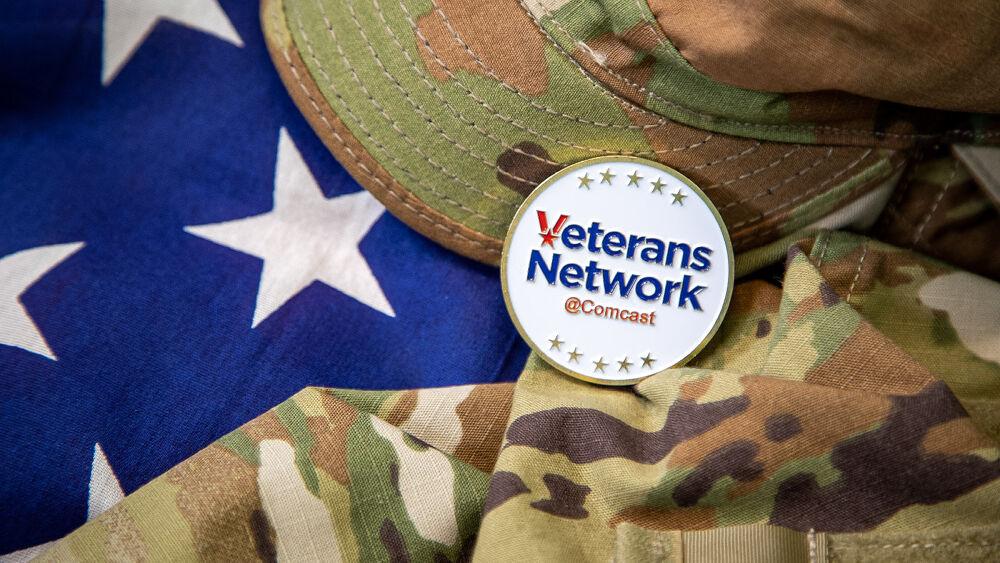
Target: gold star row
[[599, 364], [633, 180]]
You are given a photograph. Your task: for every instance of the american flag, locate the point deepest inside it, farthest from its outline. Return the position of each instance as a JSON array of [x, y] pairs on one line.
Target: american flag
[[179, 252]]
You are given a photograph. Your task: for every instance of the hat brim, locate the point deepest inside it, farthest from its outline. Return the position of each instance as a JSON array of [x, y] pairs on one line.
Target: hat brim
[[452, 144]]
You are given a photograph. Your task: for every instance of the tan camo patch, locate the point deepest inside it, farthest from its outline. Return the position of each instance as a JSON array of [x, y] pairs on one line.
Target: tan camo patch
[[123, 534], [218, 499]]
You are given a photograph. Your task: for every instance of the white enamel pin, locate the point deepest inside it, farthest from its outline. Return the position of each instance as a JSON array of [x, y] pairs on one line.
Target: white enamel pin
[[617, 268]]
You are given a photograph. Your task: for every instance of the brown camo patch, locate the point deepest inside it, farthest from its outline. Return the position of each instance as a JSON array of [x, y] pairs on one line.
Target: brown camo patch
[[218, 497], [264, 536], [267, 427], [524, 166], [504, 486], [693, 390], [810, 304], [953, 438], [864, 353], [499, 33], [404, 406], [393, 542], [565, 498], [666, 519], [329, 450], [484, 416]]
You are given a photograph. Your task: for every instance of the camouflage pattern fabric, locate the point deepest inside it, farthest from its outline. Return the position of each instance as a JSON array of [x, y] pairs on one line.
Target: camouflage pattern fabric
[[849, 414], [878, 50], [940, 210], [450, 113]]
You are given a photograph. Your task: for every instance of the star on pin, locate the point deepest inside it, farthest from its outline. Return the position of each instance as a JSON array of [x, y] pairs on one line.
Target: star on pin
[[657, 186], [574, 356], [606, 177], [599, 364], [624, 364], [678, 197], [647, 361], [555, 343], [633, 178], [585, 181]]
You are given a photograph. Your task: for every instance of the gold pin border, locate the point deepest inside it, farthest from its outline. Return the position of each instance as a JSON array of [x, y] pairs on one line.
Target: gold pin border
[[544, 185]]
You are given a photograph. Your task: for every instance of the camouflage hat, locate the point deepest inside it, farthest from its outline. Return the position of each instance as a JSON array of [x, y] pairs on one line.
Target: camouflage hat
[[450, 112]]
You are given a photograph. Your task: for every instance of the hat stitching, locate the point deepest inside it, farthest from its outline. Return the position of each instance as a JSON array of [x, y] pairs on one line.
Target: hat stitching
[[427, 118], [445, 67], [778, 229], [857, 274], [752, 148], [873, 545], [762, 234], [937, 201], [746, 175], [511, 121], [602, 90], [487, 248], [396, 128], [472, 54], [795, 175], [822, 254], [312, 52], [757, 195], [776, 127], [806, 193]]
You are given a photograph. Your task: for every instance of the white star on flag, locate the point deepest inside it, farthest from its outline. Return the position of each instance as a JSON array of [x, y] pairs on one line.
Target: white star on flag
[[103, 492], [304, 238], [127, 23], [18, 272]]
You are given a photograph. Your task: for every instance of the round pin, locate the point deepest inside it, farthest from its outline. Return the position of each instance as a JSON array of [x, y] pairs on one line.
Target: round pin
[[617, 268]]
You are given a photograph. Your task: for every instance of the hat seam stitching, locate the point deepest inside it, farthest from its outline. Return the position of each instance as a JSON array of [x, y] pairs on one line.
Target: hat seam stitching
[[514, 122], [777, 229], [937, 202], [382, 147], [661, 120], [415, 106], [754, 172], [371, 174], [451, 74], [773, 126], [798, 173], [808, 192], [357, 80], [904, 188]]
